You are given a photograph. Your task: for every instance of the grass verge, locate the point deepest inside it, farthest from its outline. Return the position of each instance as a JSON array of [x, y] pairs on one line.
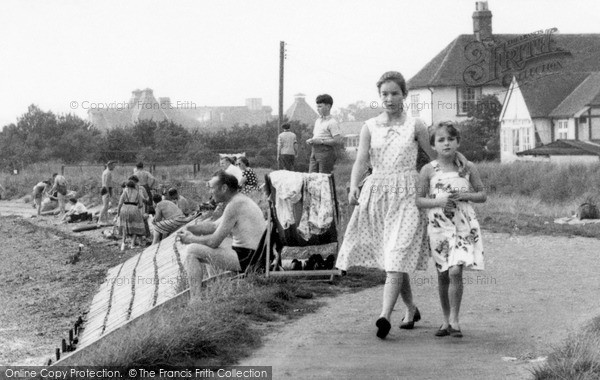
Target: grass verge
[[577, 359], [226, 324]]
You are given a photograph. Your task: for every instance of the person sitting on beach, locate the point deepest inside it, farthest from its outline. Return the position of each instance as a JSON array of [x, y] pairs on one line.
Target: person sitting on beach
[[183, 203], [242, 219], [167, 218], [77, 212], [38, 194]]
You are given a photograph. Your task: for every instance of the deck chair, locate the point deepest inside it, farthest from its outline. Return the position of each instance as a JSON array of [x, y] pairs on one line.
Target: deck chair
[[276, 236]]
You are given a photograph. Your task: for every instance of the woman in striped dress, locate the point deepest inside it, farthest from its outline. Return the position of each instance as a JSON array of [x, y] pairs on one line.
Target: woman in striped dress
[[130, 214]]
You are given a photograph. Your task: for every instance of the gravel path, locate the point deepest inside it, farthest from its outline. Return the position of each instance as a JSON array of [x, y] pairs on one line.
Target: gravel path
[[534, 292]]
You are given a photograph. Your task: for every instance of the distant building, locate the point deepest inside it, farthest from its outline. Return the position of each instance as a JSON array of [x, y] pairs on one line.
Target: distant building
[[144, 106], [547, 82], [555, 118], [351, 133], [301, 111]]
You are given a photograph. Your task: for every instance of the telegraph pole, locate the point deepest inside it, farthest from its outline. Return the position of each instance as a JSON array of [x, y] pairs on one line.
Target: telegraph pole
[[281, 59]]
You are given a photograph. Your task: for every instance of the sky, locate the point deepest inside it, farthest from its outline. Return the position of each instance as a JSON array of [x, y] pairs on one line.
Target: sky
[[70, 56]]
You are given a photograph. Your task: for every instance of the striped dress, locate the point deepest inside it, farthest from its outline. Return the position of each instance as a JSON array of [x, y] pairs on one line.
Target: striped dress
[[130, 217]]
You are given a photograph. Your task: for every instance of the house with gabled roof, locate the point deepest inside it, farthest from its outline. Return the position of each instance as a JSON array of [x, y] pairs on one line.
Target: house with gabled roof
[[484, 63], [554, 118]]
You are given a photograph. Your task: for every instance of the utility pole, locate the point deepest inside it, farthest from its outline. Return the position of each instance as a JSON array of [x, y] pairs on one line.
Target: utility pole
[[281, 59]]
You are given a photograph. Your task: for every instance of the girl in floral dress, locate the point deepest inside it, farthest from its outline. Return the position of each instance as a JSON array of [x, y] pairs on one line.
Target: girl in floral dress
[[386, 229], [454, 234]]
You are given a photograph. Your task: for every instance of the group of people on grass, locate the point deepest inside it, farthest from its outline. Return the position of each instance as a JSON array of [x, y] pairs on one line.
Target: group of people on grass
[[401, 217], [139, 200]]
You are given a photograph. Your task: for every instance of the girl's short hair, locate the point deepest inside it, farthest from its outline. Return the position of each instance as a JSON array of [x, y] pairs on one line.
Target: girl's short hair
[[130, 184], [452, 131], [393, 76]]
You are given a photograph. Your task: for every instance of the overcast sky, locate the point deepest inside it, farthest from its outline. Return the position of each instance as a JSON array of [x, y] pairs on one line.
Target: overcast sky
[[218, 53]]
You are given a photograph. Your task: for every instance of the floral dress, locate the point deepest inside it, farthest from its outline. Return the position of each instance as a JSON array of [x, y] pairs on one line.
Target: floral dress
[[454, 234], [387, 230]]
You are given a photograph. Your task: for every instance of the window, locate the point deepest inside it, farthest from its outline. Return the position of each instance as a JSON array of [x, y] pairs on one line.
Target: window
[[467, 97], [563, 130], [526, 134], [582, 120], [352, 141], [515, 138], [414, 105]]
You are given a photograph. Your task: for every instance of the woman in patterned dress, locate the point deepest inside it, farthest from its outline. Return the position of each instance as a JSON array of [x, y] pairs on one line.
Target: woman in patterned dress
[[453, 229], [249, 182], [386, 229], [129, 212]]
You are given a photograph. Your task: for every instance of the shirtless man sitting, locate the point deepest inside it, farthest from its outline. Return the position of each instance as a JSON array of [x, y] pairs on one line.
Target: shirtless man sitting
[[242, 218]]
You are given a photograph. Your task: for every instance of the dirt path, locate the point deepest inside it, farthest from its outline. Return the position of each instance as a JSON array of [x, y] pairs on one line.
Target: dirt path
[[534, 292]]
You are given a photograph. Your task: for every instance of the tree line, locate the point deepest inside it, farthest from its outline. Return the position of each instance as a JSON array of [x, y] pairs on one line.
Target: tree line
[[41, 136]]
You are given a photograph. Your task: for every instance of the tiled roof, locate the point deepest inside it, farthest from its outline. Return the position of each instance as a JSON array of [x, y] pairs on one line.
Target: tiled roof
[[301, 111], [547, 92], [587, 93], [447, 68], [565, 148]]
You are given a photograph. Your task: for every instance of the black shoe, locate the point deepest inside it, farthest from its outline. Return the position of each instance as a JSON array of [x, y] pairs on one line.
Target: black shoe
[[383, 327], [410, 325], [442, 332], [454, 333]]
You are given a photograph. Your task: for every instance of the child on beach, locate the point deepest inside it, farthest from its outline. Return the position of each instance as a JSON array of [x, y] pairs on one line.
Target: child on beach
[[445, 189]]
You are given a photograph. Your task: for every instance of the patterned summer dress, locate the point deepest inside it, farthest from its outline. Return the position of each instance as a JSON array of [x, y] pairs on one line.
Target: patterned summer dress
[[131, 218], [454, 235], [387, 230]]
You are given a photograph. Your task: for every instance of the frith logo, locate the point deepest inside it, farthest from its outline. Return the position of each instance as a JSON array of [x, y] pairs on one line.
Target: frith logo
[[526, 57]]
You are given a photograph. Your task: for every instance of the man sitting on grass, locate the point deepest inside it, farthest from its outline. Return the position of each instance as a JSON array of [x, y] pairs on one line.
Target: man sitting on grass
[[242, 218], [77, 212]]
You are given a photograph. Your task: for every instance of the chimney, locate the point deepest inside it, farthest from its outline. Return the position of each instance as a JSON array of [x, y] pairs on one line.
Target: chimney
[[135, 97], [482, 21]]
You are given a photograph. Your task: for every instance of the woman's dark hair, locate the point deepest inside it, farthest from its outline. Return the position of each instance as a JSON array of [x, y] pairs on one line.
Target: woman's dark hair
[[156, 198], [452, 131], [131, 184], [245, 161], [227, 179], [134, 178], [393, 76]]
